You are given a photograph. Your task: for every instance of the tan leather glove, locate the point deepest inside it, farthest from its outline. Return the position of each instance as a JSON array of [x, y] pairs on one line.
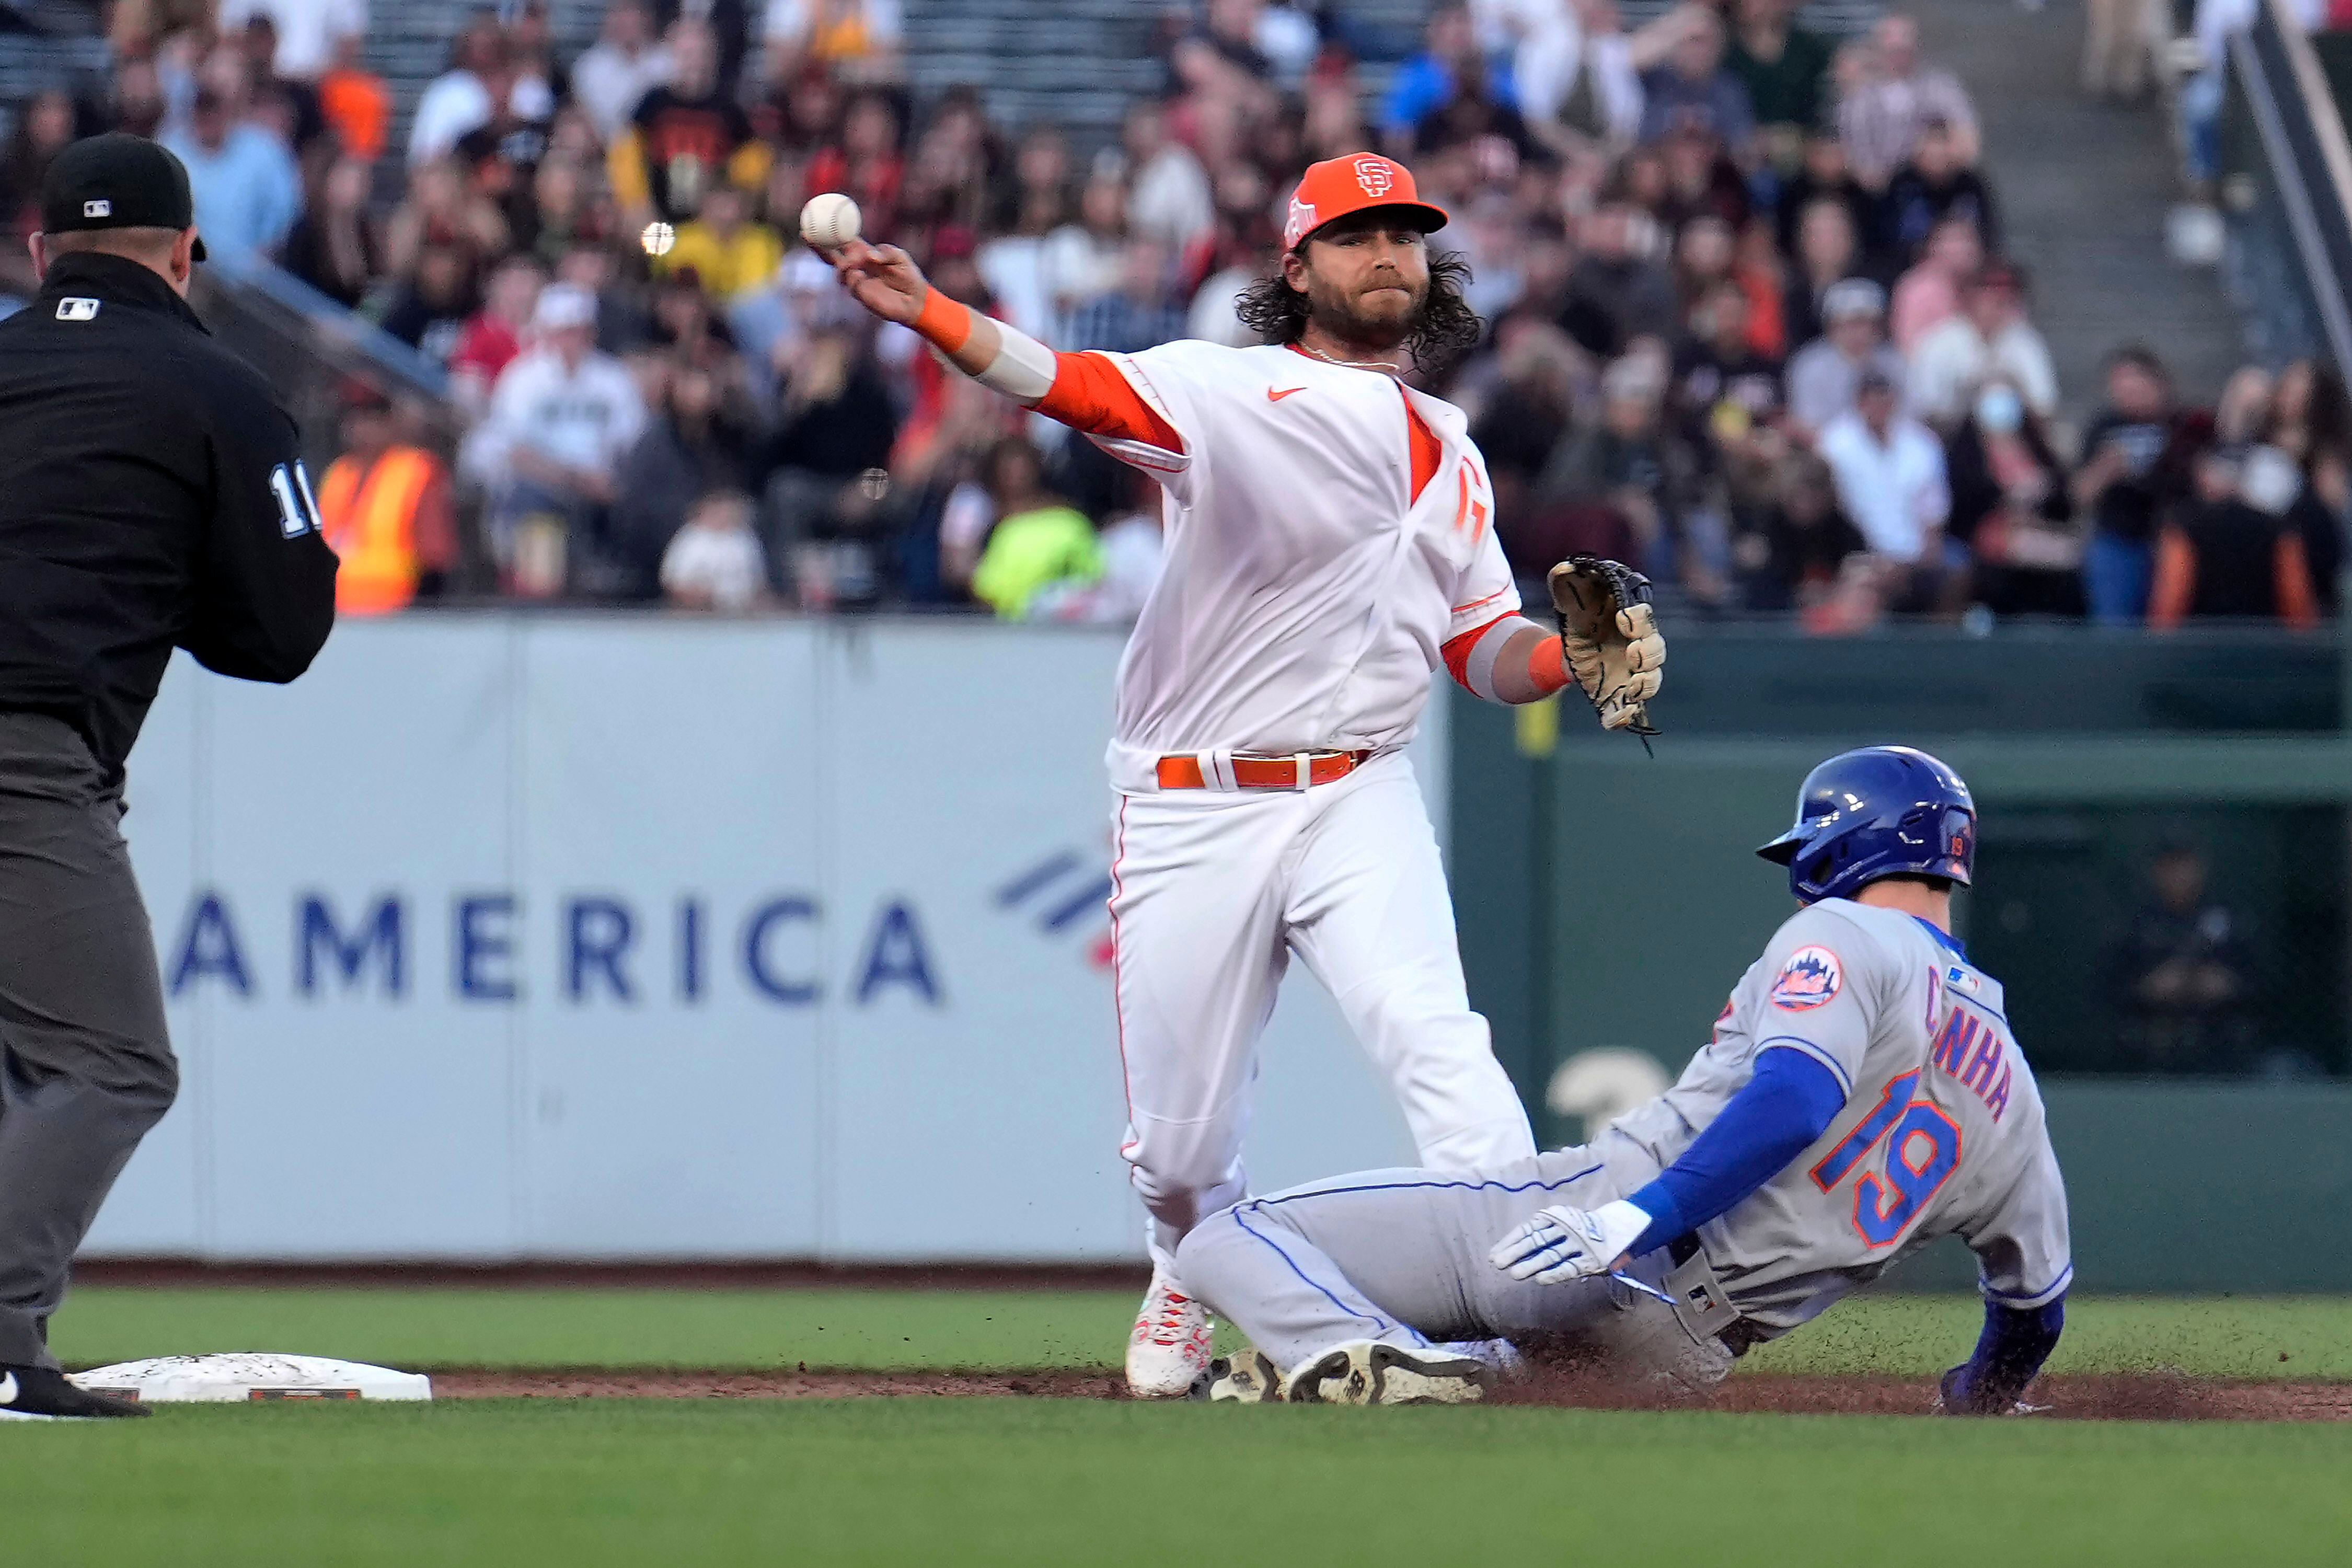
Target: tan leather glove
[[1609, 638]]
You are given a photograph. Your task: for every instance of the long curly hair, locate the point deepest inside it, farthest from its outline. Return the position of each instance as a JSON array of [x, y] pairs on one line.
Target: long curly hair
[[1445, 329]]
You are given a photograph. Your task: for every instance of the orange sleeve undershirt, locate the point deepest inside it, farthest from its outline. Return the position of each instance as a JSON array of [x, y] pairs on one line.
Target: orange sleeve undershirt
[[2176, 580], [1093, 395], [1547, 667]]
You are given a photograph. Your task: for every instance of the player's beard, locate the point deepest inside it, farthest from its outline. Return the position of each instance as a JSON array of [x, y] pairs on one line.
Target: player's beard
[[1375, 318]]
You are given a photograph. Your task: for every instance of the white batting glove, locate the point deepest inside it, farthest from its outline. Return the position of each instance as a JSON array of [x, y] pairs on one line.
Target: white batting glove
[[1561, 1243]]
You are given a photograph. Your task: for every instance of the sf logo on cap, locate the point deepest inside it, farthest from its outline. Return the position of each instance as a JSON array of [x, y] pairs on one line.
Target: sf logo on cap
[[1373, 174], [98, 209]]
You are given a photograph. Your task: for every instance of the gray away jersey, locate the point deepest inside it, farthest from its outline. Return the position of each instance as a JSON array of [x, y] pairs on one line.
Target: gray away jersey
[[1942, 1130]]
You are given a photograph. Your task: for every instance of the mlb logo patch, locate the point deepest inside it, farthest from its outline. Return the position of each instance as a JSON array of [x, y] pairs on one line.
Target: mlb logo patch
[[76, 309], [99, 209], [1959, 979], [1811, 979]]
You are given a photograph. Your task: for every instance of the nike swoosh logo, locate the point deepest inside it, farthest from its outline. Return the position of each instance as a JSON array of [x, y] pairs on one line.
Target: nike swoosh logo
[[8, 1389], [1274, 396]]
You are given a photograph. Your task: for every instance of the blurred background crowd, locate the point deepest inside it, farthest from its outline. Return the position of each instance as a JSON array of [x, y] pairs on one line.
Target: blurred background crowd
[[1750, 322]]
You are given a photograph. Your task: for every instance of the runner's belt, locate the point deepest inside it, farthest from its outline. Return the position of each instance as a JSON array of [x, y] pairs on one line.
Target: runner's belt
[[1701, 1302], [1300, 770]]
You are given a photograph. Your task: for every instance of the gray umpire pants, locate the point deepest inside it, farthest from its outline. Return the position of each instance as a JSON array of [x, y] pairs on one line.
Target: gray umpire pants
[[85, 1066], [1399, 1256]]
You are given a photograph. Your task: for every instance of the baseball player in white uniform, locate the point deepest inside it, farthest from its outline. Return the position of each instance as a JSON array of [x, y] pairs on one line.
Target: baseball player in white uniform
[[1329, 544], [1862, 1096]]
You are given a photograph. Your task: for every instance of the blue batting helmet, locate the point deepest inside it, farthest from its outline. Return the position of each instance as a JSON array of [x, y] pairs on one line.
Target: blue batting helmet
[[1881, 811]]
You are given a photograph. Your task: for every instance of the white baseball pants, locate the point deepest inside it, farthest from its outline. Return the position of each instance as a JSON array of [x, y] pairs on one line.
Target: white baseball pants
[[1212, 891]]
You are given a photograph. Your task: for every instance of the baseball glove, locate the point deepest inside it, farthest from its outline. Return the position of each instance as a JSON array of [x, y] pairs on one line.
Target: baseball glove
[[1608, 638]]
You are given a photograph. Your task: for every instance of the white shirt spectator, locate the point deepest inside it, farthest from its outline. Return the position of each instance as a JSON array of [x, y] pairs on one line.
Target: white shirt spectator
[[583, 418], [1013, 268], [788, 22], [1895, 490], [1171, 201], [1287, 38], [307, 30], [718, 563], [608, 81], [1077, 264], [1211, 316], [1953, 357], [455, 103]]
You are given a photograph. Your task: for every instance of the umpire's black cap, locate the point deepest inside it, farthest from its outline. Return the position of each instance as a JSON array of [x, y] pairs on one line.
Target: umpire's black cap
[[117, 181]]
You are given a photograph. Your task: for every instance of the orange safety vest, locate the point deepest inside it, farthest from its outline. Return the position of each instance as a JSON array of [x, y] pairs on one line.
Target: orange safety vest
[[368, 512]]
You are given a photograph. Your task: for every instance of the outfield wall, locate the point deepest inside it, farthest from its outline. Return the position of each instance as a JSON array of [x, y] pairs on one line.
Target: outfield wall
[[577, 936]]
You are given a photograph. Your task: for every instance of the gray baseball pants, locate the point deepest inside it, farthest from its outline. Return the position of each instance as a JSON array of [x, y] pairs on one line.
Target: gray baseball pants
[[1399, 1256], [86, 1065]]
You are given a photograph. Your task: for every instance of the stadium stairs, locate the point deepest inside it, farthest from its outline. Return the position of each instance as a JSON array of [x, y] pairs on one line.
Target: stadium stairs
[[2084, 186]]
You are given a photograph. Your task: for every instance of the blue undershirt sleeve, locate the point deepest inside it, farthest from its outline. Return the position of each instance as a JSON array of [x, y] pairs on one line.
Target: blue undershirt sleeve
[[1789, 1103]]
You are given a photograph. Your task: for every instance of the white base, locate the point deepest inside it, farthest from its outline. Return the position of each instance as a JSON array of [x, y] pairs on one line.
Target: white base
[[236, 1377]]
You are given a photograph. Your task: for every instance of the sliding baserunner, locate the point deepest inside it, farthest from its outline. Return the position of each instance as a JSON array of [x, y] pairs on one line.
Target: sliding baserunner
[[1863, 1095]]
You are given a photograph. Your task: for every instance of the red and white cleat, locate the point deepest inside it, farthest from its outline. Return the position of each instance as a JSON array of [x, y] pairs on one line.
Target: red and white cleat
[[1169, 1351]]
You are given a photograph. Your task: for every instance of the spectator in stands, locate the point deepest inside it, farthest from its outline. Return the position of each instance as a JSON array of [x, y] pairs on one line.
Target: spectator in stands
[[1425, 84], [307, 33], [685, 137], [714, 561], [1577, 82], [728, 253], [1619, 289], [45, 125], [1724, 390], [624, 63], [1139, 313], [1789, 553], [2129, 475], [247, 191], [493, 338], [1880, 119], [430, 310], [2311, 422], [2183, 975], [460, 98], [1634, 465], [2118, 39], [1827, 253], [384, 507], [1891, 481], [2012, 509], [1169, 197], [2232, 551], [697, 444], [1825, 376], [442, 207], [1928, 294], [1988, 337], [1933, 186], [860, 40], [338, 248], [355, 101], [1040, 541], [1824, 176], [823, 470], [135, 101], [285, 107], [769, 323], [1692, 88], [863, 161], [562, 418], [1784, 68]]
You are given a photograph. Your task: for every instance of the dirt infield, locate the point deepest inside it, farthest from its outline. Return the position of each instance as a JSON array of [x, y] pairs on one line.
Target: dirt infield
[[2101, 1397]]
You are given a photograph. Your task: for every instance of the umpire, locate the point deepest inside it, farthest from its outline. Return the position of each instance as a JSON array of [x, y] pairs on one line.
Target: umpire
[[150, 499]]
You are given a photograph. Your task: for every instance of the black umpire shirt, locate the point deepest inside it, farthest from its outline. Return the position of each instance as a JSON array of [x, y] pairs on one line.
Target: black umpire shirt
[[150, 498]]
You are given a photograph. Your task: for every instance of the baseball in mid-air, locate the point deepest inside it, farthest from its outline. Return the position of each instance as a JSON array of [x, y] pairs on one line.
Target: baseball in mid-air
[[829, 221]]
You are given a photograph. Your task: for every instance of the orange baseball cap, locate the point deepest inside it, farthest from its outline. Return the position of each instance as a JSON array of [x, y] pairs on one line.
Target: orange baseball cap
[[1339, 187]]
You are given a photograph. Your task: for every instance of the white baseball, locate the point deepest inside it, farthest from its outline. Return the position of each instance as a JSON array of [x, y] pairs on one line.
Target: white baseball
[[830, 221]]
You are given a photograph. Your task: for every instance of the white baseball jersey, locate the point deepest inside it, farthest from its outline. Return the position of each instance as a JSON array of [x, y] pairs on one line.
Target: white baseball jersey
[[1306, 594], [1942, 1131]]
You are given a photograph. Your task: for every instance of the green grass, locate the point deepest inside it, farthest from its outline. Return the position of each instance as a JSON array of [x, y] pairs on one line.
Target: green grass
[[987, 1482], [881, 1329], [944, 1481]]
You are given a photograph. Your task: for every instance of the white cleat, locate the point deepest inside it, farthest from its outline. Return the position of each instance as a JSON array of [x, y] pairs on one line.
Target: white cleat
[[1370, 1372], [1169, 1351], [1248, 1378]]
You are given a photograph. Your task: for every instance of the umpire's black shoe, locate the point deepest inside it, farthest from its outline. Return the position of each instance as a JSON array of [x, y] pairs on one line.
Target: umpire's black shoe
[[42, 1393]]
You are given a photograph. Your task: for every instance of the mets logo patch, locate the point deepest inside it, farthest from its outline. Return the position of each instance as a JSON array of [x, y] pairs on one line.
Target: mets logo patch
[[1809, 979]]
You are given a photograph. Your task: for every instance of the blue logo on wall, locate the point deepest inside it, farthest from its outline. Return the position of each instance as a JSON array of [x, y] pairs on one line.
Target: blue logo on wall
[[606, 948]]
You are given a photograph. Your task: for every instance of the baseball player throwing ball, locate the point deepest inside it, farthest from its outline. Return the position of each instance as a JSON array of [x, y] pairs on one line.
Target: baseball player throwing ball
[[1329, 542], [1862, 1096]]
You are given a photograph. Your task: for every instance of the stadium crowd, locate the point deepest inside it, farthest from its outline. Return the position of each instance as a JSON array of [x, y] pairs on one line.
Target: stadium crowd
[[1749, 320]]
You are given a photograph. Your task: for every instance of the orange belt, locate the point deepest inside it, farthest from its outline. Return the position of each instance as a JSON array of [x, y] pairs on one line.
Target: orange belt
[[1266, 773]]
